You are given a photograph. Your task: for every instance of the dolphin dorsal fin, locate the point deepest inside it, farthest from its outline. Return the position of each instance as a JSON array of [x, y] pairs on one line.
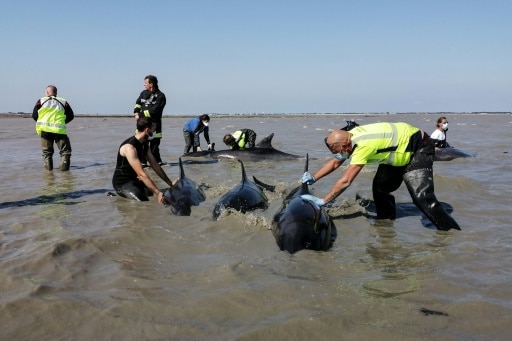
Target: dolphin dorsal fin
[[305, 188], [244, 176], [182, 172], [266, 142]]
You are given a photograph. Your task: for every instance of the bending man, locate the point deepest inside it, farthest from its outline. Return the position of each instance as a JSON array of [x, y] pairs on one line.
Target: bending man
[[191, 131], [403, 153], [240, 139], [130, 180]]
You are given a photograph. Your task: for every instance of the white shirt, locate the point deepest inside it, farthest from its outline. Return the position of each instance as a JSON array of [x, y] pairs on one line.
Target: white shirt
[[438, 135]]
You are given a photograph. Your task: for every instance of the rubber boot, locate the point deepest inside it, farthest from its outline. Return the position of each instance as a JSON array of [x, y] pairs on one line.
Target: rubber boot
[[48, 162], [65, 162], [420, 183]]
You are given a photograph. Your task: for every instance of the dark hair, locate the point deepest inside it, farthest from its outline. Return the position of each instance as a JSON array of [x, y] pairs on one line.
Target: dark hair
[[152, 80], [229, 139], [439, 120], [54, 89], [204, 117], [144, 122]]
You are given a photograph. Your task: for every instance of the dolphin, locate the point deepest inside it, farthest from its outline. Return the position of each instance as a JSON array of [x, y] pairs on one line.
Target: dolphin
[[184, 194], [302, 225], [244, 197], [263, 150], [450, 153]]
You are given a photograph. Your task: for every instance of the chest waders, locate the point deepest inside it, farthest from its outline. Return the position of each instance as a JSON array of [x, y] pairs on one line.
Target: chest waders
[[419, 179]]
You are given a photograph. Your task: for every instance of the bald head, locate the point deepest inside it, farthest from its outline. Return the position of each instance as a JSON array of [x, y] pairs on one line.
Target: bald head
[[338, 136]]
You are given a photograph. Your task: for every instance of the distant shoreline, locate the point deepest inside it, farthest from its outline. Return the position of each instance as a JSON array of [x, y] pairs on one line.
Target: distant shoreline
[[220, 115]]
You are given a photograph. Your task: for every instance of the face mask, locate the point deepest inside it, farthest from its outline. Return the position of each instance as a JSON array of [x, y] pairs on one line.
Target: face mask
[[151, 135], [205, 123], [445, 126], [340, 157]]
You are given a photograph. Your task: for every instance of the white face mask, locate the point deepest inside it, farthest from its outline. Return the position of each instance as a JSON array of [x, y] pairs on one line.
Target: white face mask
[[205, 123], [341, 156], [151, 135], [445, 126]]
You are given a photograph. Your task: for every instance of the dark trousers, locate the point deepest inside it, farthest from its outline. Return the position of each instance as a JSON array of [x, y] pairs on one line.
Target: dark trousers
[[191, 141], [419, 179], [154, 146], [250, 138], [62, 142]]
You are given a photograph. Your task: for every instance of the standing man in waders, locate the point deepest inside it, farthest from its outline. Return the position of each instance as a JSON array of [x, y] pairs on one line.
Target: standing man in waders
[[51, 114]]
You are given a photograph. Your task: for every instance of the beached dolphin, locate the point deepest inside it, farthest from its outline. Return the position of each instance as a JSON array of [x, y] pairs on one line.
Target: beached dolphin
[[300, 224], [262, 151], [244, 197], [184, 194], [450, 153]]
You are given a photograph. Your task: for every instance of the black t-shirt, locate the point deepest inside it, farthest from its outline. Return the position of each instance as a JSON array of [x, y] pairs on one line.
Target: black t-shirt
[[124, 172]]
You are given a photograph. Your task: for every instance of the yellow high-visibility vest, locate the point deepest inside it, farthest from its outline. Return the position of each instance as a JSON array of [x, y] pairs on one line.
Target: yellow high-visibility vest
[[51, 116], [382, 143]]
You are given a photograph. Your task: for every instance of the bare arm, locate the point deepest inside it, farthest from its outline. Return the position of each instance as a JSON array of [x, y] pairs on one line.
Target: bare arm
[[157, 168], [327, 168], [130, 153], [344, 182]]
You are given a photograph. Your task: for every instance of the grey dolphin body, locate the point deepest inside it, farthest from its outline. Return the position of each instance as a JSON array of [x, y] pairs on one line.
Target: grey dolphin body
[[262, 151], [302, 225], [184, 194], [244, 197], [450, 153]]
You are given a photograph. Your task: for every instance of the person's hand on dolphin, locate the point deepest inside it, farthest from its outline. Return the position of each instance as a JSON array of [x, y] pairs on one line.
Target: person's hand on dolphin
[[163, 199], [315, 200], [307, 178]]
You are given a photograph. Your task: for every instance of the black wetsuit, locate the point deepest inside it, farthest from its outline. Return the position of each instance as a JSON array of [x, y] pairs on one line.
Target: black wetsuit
[[125, 180]]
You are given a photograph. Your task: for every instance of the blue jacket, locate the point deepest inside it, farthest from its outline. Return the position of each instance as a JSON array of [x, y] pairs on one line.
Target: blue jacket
[[196, 127]]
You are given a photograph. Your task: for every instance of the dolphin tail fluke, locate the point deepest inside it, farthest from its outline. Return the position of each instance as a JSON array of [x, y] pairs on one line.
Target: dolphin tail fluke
[[263, 185]]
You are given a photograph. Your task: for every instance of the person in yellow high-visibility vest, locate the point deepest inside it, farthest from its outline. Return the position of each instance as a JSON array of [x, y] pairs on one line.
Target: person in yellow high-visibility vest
[[240, 139], [402, 152], [51, 114]]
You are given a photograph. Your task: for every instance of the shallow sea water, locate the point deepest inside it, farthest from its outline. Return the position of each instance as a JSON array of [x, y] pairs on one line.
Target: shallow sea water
[[78, 264]]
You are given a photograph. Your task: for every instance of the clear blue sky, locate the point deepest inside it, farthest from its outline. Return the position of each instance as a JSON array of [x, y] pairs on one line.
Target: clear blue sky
[[237, 56]]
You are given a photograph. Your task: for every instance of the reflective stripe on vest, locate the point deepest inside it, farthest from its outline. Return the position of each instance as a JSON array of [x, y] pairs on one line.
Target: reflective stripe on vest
[[392, 138], [239, 138], [51, 116]]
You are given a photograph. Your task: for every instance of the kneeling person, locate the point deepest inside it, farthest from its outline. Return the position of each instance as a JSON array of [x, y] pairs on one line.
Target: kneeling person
[[130, 180], [241, 139]]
